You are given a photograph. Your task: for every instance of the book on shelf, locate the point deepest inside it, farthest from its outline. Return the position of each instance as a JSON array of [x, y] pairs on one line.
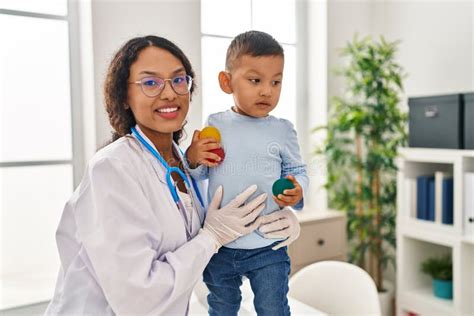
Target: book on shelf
[[469, 203], [423, 195], [448, 201], [435, 197], [431, 200], [444, 197]]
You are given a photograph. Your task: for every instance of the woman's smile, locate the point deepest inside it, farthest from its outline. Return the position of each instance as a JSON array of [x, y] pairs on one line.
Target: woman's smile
[[168, 112]]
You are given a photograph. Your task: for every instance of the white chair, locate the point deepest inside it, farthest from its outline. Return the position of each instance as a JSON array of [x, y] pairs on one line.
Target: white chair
[[336, 288]]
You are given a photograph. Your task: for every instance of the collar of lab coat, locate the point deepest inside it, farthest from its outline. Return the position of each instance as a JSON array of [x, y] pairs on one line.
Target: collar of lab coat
[[161, 170], [175, 146]]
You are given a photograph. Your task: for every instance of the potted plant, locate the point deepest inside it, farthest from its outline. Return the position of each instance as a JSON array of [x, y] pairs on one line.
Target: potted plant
[[365, 129], [441, 270]]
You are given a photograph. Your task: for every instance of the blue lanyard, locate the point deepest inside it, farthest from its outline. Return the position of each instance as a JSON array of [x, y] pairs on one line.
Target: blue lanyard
[[169, 170]]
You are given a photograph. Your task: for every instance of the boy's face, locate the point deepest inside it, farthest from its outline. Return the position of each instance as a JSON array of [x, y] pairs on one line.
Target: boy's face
[[255, 83]]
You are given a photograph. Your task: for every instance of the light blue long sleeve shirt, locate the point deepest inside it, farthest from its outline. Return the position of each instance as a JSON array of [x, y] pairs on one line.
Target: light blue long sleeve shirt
[[257, 151]]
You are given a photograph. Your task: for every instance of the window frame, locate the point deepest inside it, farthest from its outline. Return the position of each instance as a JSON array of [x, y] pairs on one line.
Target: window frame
[[77, 161], [75, 96]]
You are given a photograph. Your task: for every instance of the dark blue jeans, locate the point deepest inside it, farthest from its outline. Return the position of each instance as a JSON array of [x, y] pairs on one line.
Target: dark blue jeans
[[267, 271]]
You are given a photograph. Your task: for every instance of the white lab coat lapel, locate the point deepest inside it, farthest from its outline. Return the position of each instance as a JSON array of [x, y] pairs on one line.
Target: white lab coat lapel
[[159, 169]]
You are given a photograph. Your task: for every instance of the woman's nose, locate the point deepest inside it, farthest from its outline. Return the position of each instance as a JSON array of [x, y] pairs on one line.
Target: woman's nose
[[168, 93]]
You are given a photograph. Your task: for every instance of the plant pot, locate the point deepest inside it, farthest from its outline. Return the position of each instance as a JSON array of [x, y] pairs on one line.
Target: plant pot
[[386, 299], [443, 289]]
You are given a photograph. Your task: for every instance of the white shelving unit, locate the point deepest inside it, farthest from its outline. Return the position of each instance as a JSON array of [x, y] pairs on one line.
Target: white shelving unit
[[418, 240]]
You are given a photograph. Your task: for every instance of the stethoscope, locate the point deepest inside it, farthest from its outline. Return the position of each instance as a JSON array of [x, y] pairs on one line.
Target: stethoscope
[[171, 186]]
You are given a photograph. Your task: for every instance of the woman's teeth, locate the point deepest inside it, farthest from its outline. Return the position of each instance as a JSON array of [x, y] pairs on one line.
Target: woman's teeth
[[167, 110]]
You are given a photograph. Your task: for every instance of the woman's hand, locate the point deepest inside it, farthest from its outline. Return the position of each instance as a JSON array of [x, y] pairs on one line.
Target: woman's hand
[[233, 220], [290, 197], [280, 224], [198, 153]]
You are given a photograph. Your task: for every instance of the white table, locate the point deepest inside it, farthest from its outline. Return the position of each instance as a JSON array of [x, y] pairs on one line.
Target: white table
[[198, 304]]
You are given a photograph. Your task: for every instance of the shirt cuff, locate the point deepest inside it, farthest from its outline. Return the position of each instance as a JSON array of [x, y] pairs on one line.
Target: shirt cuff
[[208, 239]]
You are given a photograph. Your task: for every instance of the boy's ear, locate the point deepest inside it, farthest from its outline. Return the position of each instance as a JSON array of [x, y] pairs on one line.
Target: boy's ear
[[224, 82]]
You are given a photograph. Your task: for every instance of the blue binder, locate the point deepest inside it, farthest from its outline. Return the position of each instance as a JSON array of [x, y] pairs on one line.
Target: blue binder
[[431, 200], [422, 196], [448, 201]]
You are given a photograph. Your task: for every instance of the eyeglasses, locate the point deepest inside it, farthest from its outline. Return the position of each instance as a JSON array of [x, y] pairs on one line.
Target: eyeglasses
[[152, 86]]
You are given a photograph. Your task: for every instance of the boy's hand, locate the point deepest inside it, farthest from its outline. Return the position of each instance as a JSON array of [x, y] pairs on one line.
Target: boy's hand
[[198, 153], [290, 197]]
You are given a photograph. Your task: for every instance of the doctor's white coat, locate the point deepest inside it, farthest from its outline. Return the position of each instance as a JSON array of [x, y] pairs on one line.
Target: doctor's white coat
[[122, 241]]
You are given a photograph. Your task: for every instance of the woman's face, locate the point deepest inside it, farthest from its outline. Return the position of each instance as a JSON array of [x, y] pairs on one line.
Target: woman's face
[[165, 112]]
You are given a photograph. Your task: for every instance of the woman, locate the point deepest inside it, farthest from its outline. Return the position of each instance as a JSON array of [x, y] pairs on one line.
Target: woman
[[133, 239]]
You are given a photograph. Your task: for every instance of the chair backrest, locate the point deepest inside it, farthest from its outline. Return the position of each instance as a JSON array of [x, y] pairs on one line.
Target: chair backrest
[[337, 288]]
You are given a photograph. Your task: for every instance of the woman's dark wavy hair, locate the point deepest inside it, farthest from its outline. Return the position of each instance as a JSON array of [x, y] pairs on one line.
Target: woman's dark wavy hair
[[116, 82]]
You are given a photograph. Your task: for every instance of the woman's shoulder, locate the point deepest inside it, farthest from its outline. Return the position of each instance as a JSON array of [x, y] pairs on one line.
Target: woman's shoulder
[[121, 160], [124, 151]]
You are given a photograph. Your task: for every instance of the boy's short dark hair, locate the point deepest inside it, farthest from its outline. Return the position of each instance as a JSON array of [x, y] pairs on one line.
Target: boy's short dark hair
[[253, 43]]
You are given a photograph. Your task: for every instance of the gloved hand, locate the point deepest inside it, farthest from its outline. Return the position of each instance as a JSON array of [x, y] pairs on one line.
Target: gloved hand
[[231, 221], [280, 224]]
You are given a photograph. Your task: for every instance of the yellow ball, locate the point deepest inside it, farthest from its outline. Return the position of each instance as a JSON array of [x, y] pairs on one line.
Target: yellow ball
[[210, 131]]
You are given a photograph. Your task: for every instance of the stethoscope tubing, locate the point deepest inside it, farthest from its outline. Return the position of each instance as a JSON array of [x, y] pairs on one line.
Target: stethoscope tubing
[[170, 184], [169, 170]]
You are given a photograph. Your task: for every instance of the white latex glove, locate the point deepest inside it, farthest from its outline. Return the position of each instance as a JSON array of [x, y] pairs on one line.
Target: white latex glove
[[233, 220], [280, 224]]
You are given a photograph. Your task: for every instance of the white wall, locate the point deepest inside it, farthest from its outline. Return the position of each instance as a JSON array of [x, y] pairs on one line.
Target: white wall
[[345, 19], [115, 22], [437, 40], [437, 43]]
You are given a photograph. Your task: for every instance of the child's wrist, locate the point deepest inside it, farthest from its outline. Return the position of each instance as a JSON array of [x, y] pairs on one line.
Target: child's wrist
[[191, 163]]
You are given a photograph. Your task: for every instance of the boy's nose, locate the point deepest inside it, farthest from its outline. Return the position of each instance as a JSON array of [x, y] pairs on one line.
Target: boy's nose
[[266, 91]]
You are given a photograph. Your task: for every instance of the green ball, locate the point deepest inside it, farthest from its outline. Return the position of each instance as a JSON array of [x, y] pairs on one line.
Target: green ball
[[281, 185]]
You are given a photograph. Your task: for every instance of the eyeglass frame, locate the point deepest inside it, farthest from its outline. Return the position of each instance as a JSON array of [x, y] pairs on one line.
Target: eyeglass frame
[[189, 84]]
